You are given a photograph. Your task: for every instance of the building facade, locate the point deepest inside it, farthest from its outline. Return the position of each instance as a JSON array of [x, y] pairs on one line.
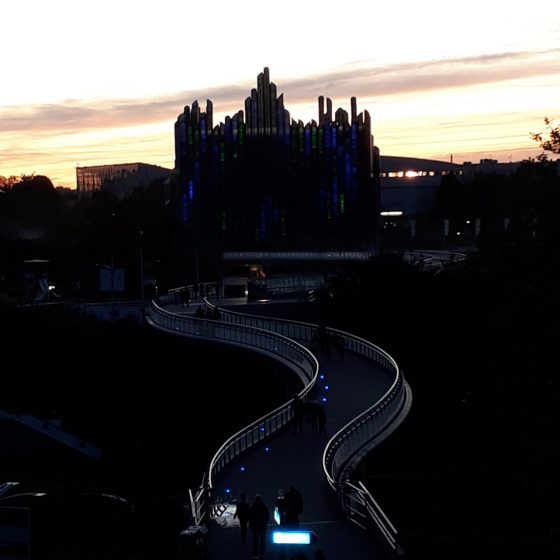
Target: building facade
[[118, 179], [263, 180], [409, 185]]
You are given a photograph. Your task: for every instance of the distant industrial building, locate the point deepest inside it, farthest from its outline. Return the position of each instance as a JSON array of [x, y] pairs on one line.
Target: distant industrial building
[[409, 185], [261, 180], [118, 179], [409, 189]]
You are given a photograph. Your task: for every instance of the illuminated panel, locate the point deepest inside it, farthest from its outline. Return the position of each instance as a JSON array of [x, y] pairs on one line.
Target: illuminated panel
[[291, 537]]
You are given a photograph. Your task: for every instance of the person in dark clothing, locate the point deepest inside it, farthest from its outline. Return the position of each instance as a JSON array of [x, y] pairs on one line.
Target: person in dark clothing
[[242, 513], [297, 413], [293, 506], [258, 520]]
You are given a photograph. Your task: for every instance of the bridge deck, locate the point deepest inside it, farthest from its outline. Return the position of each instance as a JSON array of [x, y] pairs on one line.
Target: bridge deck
[[287, 458], [354, 385]]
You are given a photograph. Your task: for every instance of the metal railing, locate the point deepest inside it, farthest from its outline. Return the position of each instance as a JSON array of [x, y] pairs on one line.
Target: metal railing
[[291, 353], [346, 449], [362, 509], [430, 260], [298, 255]]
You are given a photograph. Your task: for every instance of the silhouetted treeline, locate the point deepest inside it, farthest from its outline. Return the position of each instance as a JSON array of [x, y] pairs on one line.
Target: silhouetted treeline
[[77, 235]]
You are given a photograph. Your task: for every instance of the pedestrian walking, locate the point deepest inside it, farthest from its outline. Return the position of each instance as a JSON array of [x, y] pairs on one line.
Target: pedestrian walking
[[297, 413], [258, 520], [293, 506], [242, 513]]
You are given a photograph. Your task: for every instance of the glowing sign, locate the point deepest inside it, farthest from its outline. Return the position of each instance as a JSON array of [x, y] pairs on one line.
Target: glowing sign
[[293, 537]]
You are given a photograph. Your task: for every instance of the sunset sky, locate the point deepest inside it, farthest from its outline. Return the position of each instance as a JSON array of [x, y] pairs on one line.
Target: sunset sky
[[101, 82]]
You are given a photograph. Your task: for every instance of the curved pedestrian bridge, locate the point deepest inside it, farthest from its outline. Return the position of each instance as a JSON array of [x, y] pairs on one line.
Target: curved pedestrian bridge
[[365, 397]]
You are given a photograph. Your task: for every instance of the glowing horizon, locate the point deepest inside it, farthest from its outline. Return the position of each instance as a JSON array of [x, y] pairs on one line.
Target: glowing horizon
[[474, 86]]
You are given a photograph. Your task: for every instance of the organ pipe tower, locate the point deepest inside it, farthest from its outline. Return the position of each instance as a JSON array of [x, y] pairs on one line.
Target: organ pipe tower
[[263, 180]]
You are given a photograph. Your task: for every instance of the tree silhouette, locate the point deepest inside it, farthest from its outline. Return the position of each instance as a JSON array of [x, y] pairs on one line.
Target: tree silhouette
[[31, 203], [6, 183], [552, 143]]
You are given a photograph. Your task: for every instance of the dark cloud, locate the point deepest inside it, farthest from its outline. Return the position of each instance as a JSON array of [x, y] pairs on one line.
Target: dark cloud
[[355, 80]]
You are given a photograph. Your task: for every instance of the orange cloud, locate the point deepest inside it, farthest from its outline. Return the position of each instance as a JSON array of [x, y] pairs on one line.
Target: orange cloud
[[52, 138]]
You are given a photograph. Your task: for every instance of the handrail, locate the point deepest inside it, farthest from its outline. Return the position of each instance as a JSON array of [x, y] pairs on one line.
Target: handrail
[[348, 446], [379, 416], [298, 255], [293, 354], [434, 259]]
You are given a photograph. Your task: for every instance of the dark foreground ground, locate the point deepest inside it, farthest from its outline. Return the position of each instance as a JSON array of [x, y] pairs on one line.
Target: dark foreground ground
[[157, 405], [470, 474]]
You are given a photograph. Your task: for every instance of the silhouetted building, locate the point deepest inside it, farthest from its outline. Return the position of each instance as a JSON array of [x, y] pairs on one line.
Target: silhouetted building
[[409, 185], [118, 179], [260, 179], [409, 201]]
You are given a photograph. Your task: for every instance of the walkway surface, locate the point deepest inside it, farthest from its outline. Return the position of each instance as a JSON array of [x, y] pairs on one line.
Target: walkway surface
[[350, 384]]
